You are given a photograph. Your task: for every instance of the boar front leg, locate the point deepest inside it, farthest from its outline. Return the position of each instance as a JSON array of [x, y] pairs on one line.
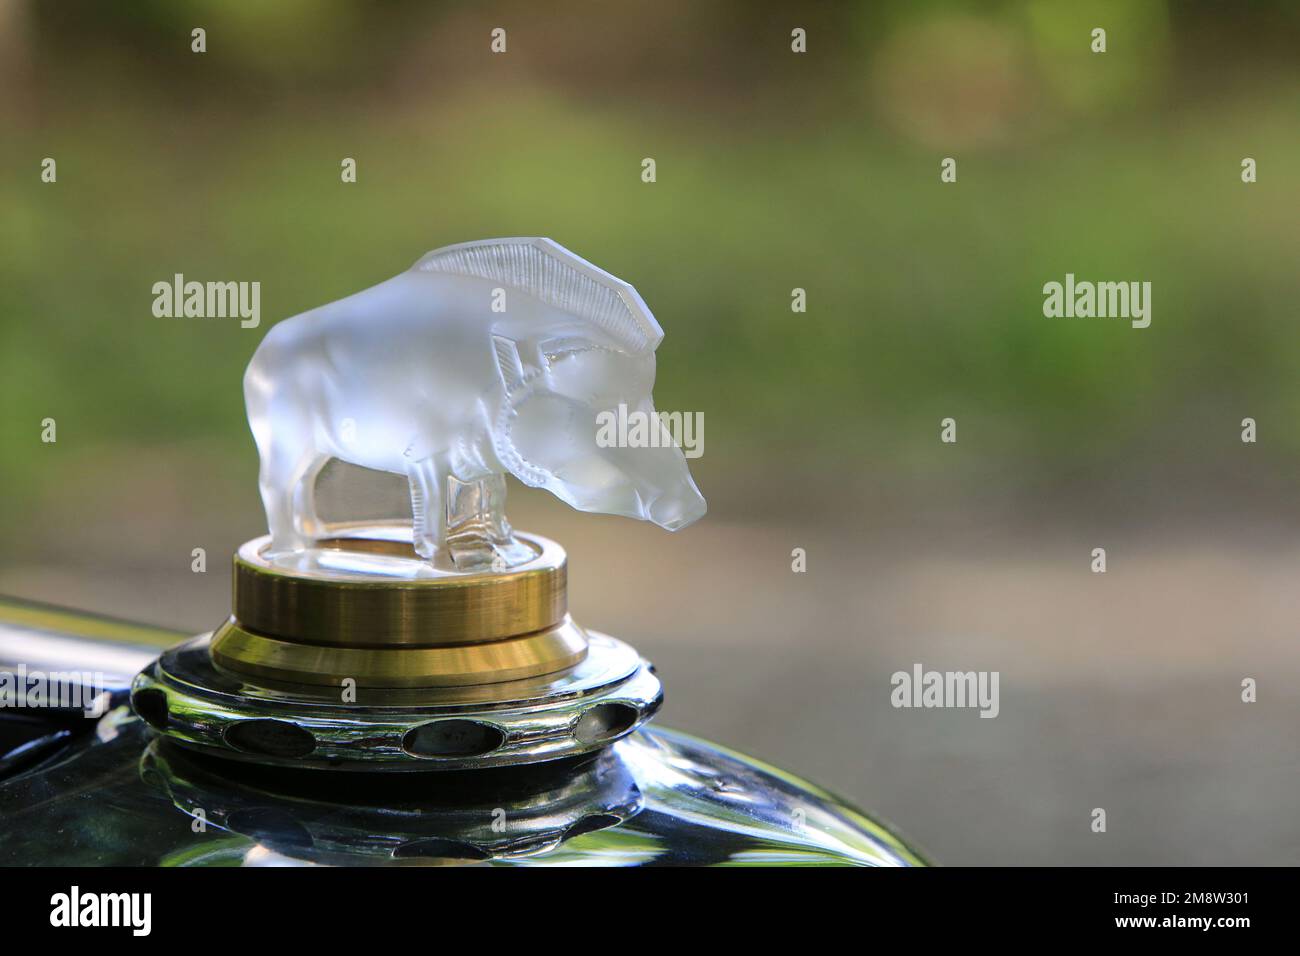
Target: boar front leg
[[427, 477]]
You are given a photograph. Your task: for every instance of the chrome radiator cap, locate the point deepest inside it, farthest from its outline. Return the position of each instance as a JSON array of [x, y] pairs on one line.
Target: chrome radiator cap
[[358, 656]]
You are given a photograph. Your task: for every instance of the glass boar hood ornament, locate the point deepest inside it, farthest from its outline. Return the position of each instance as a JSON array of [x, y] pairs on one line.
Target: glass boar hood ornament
[[483, 359], [386, 691]]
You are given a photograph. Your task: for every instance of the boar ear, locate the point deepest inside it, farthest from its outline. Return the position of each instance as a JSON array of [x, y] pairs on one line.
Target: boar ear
[[508, 362]]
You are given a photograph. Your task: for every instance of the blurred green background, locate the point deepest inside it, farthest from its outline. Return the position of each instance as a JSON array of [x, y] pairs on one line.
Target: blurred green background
[[774, 171]]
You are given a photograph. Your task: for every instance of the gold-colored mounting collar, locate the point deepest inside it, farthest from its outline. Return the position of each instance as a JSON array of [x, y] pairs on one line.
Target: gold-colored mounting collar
[[367, 608]]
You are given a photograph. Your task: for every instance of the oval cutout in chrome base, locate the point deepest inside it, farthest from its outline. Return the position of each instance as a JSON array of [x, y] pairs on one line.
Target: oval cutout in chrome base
[[442, 739]]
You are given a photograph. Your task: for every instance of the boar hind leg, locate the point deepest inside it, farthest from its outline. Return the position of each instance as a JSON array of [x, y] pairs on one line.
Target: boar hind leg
[[306, 522], [427, 477], [282, 474]]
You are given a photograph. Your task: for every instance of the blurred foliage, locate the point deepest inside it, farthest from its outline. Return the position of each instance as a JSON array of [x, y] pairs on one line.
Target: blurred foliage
[[775, 171]]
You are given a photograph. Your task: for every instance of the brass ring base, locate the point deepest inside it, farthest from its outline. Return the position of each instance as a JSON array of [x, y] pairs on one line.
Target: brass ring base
[[373, 590], [527, 655], [367, 609]]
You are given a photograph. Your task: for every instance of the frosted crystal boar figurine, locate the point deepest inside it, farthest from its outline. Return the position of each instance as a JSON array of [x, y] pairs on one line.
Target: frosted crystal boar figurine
[[481, 359]]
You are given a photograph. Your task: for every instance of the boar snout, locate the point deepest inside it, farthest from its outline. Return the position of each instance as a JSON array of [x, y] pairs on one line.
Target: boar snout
[[675, 510]]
